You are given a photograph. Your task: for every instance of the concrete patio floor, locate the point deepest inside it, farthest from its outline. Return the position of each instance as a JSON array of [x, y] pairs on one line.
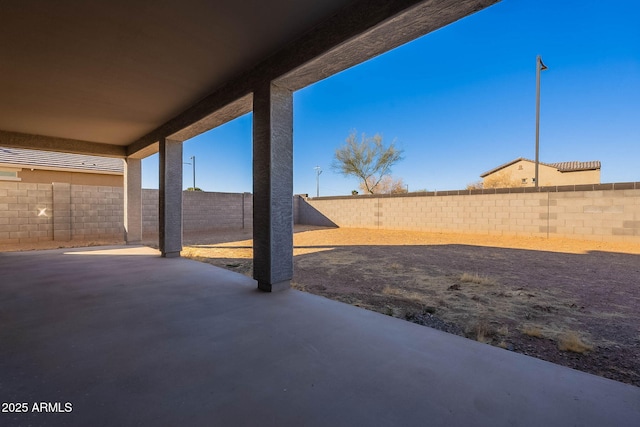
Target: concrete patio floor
[[129, 338]]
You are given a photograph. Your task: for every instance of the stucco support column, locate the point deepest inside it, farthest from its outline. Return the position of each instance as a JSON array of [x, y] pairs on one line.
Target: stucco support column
[[133, 201], [272, 187], [170, 198]]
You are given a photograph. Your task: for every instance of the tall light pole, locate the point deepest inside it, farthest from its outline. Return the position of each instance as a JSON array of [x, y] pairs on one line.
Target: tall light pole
[[318, 170], [193, 165], [539, 67], [193, 160]]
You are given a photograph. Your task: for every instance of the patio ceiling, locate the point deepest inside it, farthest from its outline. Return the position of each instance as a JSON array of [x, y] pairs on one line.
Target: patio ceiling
[[111, 78]]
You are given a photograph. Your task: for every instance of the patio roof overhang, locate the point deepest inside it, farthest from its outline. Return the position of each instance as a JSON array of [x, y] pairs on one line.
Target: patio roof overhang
[[113, 78]]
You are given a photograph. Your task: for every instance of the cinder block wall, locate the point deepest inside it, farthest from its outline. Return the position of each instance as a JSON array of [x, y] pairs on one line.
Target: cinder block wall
[[611, 212], [32, 213], [60, 211], [202, 211], [25, 212], [608, 212], [97, 212], [248, 210], [150, 202]]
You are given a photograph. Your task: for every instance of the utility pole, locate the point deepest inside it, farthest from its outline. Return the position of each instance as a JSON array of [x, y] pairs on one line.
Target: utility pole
[[539, 67], [193, 165], [318, 170], [193, 160]]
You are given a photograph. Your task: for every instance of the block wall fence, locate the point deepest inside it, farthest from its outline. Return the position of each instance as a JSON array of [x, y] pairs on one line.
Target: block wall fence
[[25, 212], [202, 211], [606, 212], [32, 213], [60, 211]]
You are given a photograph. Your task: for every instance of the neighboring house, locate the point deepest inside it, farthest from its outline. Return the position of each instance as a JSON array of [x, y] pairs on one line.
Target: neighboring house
[[45, 167], [521, 173]]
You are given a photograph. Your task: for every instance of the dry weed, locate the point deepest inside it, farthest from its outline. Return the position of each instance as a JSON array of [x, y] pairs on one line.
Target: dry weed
[[395, 267], [476, 278], [482, 331], [532, 331], [298, 286], [398, 291], [571, 341], [503, 330]]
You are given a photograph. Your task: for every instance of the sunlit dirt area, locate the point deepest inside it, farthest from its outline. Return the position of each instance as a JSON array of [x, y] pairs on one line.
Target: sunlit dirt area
[[571, 302]]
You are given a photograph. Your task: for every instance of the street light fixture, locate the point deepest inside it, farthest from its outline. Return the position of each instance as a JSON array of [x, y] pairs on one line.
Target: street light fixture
[[539, 67], [318, 170], [193, 164]]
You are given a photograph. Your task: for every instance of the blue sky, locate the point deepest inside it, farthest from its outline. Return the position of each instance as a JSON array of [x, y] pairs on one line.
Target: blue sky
[[461, 100]]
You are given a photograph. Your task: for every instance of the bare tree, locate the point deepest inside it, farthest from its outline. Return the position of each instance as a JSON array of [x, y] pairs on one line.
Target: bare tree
[[387, 185], [476, 185], [502, 179], [368, 160]]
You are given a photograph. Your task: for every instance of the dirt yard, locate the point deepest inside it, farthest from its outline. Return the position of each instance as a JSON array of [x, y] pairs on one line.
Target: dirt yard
[[575, 303]]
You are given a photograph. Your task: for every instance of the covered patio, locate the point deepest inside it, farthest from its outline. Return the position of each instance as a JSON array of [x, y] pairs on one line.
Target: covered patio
[[130, 79], [129, 338], [133, 336]]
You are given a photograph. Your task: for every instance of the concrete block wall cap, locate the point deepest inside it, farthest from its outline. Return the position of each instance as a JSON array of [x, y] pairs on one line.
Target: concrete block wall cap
[[603, 186], [626, 185]]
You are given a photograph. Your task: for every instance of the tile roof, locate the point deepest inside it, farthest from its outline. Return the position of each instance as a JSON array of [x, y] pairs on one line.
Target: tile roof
[[576, 166], [60, 161], [561, 166]]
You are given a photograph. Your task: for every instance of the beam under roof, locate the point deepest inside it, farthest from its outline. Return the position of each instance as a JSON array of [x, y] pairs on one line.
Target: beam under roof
[[357, 32], [363, 30], [64, 145]]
